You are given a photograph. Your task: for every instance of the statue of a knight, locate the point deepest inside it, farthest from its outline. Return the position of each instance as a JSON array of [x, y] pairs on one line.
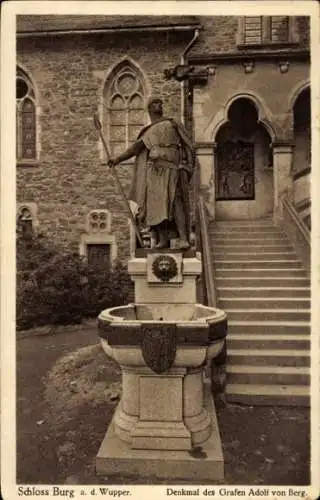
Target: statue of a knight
[[164, 164]]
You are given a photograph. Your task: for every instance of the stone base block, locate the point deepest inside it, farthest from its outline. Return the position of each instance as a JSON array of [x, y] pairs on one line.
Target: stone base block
[[161, 436], [204, 463]]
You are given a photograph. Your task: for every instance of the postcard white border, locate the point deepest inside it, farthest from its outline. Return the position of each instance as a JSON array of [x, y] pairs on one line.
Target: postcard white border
[[8, 199]]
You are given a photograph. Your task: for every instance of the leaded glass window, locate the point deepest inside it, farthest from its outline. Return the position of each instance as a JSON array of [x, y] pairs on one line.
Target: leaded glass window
[[125, 109], [26, 118]]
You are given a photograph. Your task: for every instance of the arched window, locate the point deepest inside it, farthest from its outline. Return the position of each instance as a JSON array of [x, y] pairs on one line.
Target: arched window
[[124, 107], [25, 223], [26, 118]]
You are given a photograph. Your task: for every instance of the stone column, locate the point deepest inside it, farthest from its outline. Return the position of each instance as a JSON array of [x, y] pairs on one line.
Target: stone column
[[206, 153], [283, 181]]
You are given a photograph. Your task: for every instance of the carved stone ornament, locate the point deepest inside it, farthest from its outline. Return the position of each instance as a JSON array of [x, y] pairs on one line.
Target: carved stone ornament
[[284, 66], [159, 347], [165, 267], [248, 66]]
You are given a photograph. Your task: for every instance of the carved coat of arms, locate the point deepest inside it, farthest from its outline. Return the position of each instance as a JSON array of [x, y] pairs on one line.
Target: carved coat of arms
[[159, 347]]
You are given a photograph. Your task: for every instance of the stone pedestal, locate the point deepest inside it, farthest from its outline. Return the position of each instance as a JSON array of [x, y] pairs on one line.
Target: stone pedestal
[[202, 463], [162, 342]]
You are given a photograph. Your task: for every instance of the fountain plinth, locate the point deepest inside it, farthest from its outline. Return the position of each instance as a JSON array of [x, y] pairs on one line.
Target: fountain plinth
[[165, 424]]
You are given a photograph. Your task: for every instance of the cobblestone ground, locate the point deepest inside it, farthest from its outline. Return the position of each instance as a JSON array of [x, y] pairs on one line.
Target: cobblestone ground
[[67, 390]]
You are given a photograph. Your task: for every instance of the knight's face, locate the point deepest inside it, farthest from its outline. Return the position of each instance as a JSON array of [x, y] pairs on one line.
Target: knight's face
[[156, 108]]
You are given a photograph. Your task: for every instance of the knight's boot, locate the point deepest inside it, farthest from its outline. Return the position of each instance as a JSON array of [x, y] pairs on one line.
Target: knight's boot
[[163, 240], [183, 242]]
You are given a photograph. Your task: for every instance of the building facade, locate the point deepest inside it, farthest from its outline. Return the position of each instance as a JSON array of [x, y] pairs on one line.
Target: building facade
[[241, 85]]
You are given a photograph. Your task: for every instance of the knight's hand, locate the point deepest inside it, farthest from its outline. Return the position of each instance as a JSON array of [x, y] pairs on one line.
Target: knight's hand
[[112, 162]]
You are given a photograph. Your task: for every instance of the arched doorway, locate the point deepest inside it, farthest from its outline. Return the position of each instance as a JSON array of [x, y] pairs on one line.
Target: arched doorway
[[244, 170], [302, 132]]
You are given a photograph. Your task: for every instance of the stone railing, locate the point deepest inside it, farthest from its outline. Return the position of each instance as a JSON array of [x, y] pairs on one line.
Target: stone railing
[[208, 271], [297, 232], [207, 294]]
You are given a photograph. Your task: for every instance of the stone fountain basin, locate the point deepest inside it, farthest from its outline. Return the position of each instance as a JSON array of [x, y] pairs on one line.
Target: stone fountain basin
[[199, 331]]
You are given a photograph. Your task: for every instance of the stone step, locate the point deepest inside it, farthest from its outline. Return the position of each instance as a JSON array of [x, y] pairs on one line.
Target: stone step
[[268, 357], [268, 314], [283, 292], [268, 395], [264, 303], [244, 228], [243, 238], [230, 280], [255, 256], [255, 272], [269, 327], [246, 222], [265, 341], [261, 264], [283, 375], [222, 246]]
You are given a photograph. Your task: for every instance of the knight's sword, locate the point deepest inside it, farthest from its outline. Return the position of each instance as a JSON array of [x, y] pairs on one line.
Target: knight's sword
[[98, 126]]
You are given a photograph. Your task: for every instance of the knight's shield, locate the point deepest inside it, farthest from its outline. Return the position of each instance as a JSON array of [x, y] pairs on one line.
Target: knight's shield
[[159, 347]]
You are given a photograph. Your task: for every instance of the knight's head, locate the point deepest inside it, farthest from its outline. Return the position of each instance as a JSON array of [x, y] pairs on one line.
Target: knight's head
[[155, 107]]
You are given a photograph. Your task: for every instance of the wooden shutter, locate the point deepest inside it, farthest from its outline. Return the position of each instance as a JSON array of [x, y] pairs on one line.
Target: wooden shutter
[[279, 28], [253, 30]]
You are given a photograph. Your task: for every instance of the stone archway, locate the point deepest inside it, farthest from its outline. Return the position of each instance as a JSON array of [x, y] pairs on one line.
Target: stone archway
[[244, 168], [302, 131]]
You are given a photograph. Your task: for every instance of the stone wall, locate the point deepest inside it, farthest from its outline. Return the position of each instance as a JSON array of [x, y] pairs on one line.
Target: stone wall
[[271, 90], [70, 179], [219, 35]]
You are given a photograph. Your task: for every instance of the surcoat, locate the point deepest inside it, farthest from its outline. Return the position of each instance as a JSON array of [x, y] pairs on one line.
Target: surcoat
[[166, 158]]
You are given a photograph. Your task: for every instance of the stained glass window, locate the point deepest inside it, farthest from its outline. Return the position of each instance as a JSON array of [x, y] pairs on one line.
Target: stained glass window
[[26, 118], [125, 108]]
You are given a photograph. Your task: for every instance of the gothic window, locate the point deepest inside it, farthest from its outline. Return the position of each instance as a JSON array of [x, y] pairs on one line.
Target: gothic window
[[259, 30], [25, 223], [125, 108], [26, 118]]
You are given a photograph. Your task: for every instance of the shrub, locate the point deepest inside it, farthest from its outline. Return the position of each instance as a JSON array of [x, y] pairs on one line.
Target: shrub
[[106, 288], [55, 286]]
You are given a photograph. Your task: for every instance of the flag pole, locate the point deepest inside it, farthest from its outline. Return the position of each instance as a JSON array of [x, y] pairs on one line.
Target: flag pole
[[98, 126]]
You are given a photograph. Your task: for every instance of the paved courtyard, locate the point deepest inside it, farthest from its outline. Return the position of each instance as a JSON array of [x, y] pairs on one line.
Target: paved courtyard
[[67, 391]]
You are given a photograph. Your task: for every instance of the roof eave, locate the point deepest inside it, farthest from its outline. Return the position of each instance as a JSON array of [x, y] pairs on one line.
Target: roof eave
[[184, 27]]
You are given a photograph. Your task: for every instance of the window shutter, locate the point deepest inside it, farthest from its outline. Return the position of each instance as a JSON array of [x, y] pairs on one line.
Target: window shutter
[[279, 28], [253, 30]]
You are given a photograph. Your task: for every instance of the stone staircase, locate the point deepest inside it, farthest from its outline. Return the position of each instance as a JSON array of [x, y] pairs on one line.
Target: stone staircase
[[266, 293]]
